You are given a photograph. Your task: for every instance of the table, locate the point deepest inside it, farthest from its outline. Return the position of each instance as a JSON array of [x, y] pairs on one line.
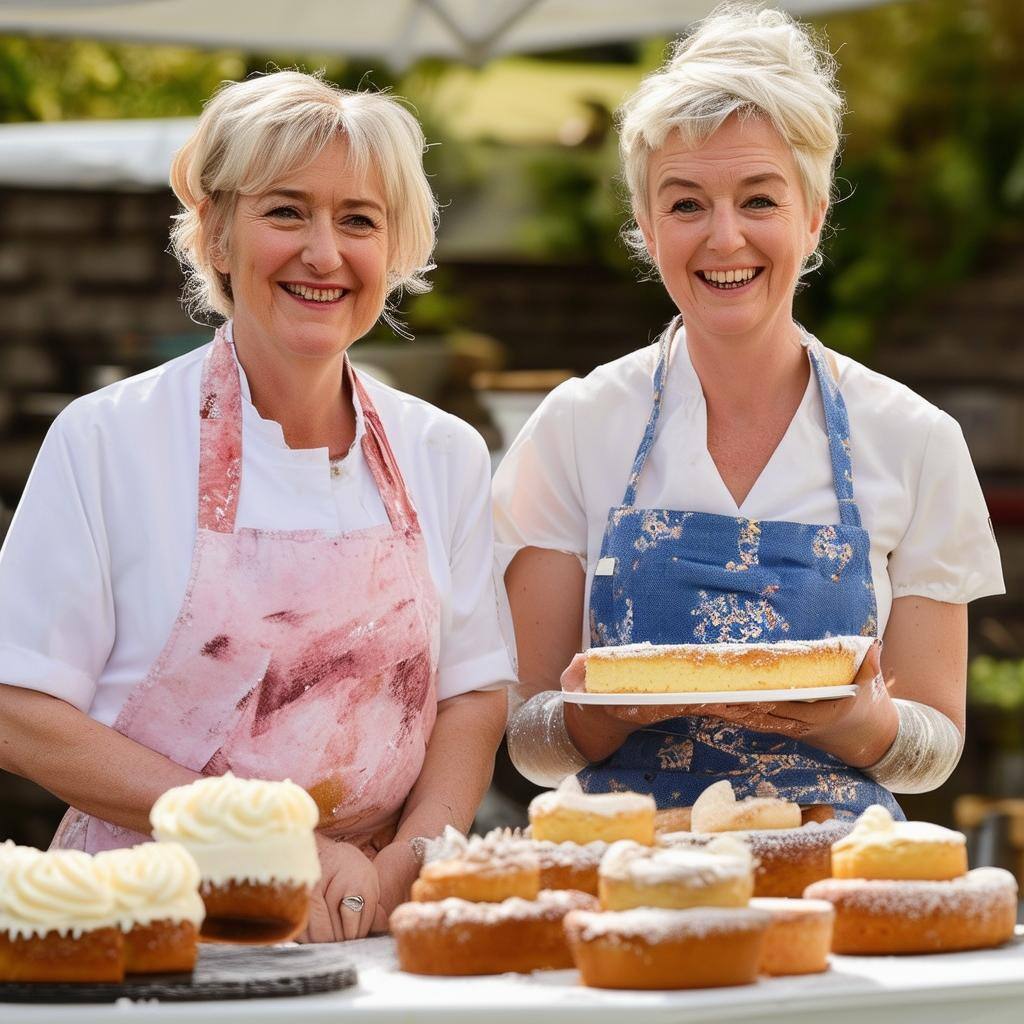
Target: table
[[985, 987]]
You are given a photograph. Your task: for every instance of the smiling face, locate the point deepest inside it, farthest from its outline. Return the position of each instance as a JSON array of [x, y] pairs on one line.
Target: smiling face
[[308, 260], [728, 228]]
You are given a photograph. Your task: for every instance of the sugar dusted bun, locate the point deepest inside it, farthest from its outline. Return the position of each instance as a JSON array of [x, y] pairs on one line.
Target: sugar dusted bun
[[787, 860], [800, 935], [879, 847], [156, 888], [876, 916], [710, 668], [721, 874], [704, 947], [477, 870], [58, 919], [567, 814], [254, 844], [456, 937], [718, 810]]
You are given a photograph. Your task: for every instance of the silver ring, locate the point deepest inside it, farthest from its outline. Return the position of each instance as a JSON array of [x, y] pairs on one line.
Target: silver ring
[[354, 903]]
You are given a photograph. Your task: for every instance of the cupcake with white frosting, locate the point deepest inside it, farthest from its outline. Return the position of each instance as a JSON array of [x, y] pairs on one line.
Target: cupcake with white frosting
[[156, 891], [254, 844], [58, 918]]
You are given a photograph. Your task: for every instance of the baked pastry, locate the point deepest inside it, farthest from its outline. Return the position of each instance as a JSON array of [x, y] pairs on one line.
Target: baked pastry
[[58, 919], [704, 947], [879, 847], [786, 860], [156, 891], [253, 842], [672, 819], [721, 874], [567, 814], [456, 937], [878, 916], [799, 936], [710, 668], [477, 870], [718, 810]]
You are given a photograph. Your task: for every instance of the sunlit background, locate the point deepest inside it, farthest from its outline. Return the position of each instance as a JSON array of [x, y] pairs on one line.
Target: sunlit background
[[923, 278]]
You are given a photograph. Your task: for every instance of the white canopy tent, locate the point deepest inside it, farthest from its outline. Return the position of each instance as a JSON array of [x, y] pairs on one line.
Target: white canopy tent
[[398, 31]]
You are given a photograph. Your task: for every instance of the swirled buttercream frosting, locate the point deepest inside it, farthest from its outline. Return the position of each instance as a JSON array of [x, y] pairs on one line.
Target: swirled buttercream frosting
[[153, 882], [242, 829], [63, 891]]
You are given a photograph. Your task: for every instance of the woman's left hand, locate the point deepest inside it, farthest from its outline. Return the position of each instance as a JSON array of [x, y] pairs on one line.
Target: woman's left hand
[[397, 867], [857, 730]]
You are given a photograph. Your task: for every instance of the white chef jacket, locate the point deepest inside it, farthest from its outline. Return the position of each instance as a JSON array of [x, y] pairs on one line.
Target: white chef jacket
[[95, 565], [913, 478]]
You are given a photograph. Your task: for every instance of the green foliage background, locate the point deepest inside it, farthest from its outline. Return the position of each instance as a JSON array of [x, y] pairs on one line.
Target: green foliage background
[[931, 183]]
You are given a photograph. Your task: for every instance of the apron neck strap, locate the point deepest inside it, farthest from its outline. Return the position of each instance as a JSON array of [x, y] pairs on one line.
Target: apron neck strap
[[647, 441], [381, 460], [220, 438], [220, 445], [837, 423]]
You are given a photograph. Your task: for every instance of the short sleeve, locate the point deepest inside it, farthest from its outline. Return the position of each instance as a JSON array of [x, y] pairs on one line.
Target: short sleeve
[[538, 498], [56, 604], [473, 652], [948, 552]]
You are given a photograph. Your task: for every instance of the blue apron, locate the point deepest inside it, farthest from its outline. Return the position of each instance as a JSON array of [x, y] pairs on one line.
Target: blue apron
[[671, 577]]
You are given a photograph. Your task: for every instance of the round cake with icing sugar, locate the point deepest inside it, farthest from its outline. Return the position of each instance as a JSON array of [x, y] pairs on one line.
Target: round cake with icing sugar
[[879, 847], [477, 870], [786, 860], [722, 667], [254, 844], [567, 814], [651, 948], [565, 865], [718, 810], [882, 917], [457, 937], [799, 937], [721, 874], [156, 889], [58, 919]]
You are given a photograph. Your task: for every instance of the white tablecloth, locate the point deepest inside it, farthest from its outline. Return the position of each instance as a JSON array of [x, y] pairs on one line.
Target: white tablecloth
[[955, 988]]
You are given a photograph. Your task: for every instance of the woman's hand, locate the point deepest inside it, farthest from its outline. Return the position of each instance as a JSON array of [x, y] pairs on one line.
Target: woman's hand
[[345, 871], [857, 729], [397, 867]]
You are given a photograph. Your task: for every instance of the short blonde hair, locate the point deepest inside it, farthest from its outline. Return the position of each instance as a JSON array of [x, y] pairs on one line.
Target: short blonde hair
[[254, 133], [739, 60]]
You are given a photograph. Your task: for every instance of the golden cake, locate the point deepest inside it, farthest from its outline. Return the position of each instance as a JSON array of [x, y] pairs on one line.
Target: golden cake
[[879, 847], [457, 937], [799, 937], [567, 814], [718, 810], [882, 917], [653, 948], [254, 844], [156, 890], [476, 869], [720, 667], [58, 919], [720, 874]]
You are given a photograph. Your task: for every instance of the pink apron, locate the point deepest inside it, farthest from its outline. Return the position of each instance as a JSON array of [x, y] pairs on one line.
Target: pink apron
[[296, 654]]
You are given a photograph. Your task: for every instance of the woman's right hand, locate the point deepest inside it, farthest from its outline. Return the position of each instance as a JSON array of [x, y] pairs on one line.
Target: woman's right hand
[[345, 871]]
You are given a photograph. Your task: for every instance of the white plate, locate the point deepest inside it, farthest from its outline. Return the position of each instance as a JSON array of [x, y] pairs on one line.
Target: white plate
[[717, 697]]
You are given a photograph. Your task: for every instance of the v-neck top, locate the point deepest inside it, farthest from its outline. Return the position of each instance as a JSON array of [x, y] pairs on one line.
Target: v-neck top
[[914, 481]]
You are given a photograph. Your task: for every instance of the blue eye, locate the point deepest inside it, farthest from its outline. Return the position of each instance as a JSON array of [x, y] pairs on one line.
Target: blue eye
[[361, 221], [285, 212], [685, 206], [760, 203]]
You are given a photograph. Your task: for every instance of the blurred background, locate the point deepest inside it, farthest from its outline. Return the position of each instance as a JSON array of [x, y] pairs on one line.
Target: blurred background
[[923, 278]]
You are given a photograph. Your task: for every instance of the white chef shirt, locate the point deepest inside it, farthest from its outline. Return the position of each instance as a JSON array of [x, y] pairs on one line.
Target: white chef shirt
[[913, 479], [95, 565]]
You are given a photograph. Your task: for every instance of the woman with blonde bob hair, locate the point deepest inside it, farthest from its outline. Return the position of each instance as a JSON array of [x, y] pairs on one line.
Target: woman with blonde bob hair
[[253, 558], [761, 487]]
